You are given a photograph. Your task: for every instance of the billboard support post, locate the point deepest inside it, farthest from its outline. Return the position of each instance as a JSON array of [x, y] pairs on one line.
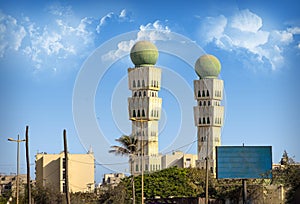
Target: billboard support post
[[244, 191]]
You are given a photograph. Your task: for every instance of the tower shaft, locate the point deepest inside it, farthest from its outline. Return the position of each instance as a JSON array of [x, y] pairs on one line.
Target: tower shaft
[[144, 107], [208, 117]]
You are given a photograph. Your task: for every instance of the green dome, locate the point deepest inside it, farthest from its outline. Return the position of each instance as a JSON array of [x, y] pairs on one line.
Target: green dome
[[208, 66], [144, 53]]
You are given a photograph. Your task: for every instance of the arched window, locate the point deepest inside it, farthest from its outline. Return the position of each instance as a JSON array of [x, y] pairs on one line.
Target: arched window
[[157, 114], [146, 167], [211, 170], [134, 114], [200, 103], [208, 103], [216, 121], [143, 113], [203, 93], [138, 113], [133, 84], [140, 94], [208, 121], [152, 94], [134, 94], [199, 94], [145, 94], [204, 103], [202, 139], [199, 120], [207, 93], [137, 167], [143, 83], [152, 84], [152, 113], [139, 83], [204, 121]]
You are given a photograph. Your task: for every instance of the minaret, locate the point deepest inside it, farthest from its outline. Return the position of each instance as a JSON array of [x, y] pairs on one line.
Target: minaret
[[209, 113], [144, 105]]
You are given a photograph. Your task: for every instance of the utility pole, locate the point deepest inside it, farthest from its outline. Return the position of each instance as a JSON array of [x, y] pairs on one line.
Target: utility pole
[[28, 167], [207, 172], [67, 168]]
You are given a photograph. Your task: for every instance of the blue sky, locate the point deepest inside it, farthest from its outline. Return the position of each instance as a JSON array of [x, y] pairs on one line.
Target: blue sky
[[52, 52]]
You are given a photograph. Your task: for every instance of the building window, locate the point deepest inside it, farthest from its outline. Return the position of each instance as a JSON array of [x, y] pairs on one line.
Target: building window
[[143, 83], [140, 94], [135, 94], [202, 139], [208, 121], [152, 94], [199, 94], [145, 94], [204, 103], [146, 167], [207, 93], [134, 114], [199, 120], [143, 113], [133, 84], [204, 121], [138, 113], [138, 83], [211, 170], [137, 167], [208, 103], [203, 93]]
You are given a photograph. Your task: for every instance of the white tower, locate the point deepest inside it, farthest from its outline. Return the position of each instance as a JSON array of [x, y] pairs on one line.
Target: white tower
[[144, 105], [208, 114]]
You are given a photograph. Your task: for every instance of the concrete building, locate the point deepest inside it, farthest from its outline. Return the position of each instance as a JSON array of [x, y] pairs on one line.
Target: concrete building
[[178, 159], [112, 179], [209, 113], [144, 106], [8, 184], [50, 171]]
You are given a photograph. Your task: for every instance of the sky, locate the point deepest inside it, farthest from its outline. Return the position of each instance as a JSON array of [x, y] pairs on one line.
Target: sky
[[63, 65]]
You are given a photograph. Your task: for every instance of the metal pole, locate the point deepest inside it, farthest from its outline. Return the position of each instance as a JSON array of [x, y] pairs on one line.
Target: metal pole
[[142, 163], [18, 167], [244, 191], [207, 172], [28, 167], [67, 168]]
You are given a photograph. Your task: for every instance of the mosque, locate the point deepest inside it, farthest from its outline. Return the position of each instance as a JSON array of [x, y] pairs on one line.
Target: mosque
[[144, 108]]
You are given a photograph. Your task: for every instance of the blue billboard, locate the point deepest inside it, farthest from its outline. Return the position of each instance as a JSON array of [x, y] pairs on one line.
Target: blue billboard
[[244, 162]]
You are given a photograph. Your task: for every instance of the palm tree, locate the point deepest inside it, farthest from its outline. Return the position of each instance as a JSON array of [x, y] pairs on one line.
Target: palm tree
[[128, 147]]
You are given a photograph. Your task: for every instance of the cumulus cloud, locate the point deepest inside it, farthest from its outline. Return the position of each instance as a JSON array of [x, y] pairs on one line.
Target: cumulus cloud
[[11, 34], [151, 32], [60, 39], [244, 31], [122, 16]]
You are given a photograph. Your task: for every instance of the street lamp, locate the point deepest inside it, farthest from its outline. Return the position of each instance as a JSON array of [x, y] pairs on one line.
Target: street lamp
[[18, 162], [142, 153]]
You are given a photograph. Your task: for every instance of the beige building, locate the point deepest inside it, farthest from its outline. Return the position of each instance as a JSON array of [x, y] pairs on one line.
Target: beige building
[[50, 171], [178, 159]]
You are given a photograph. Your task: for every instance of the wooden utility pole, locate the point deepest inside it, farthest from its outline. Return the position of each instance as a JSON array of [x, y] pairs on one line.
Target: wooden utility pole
[[28, 166], [67, 168]]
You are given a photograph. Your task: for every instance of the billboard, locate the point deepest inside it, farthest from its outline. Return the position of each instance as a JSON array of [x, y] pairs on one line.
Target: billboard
[[244, 162]]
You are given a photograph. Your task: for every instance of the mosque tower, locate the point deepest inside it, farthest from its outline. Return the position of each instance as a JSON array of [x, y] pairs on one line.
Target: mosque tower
[[144, 106], [209, 113]]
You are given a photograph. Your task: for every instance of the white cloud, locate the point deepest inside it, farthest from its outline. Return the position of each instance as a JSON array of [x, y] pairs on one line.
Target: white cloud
[[294, 30], [112, 16], [298, 46], [151, 32], [243, 31], [245, 20], [11, 34]]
